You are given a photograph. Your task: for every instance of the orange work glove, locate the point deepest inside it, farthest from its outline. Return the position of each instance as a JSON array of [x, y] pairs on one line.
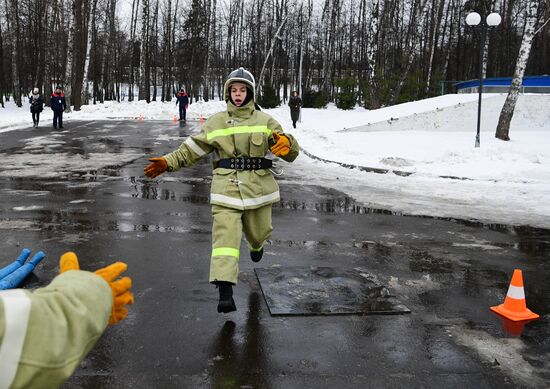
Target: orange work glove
[[156, 167], [281, 146], [120, 288]]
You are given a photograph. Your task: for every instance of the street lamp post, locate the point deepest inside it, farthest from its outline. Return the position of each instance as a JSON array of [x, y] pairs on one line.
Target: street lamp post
[[492, 20]]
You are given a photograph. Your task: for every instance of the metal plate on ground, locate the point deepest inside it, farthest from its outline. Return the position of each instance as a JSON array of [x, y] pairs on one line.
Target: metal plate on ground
[[325, 291]]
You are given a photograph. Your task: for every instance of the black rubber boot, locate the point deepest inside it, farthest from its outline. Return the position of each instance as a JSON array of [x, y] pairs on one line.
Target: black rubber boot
[[256, 256], [226, 304]]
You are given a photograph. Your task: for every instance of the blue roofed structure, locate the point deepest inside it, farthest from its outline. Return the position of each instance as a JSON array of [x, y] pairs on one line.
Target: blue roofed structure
[[530, 84]]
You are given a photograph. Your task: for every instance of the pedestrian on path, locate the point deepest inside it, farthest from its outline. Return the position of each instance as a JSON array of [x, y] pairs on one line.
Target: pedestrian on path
[[37, 105], [295, 102], [44, 334], [58, 105], [243, 188], [183, 101]]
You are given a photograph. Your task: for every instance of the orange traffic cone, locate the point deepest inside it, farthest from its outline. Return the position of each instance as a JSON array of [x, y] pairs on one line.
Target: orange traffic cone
[[515, 307], [201, 119], [175, 120]]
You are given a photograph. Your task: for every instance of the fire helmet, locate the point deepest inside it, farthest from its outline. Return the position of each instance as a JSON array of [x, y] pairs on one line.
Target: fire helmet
[[240, 75]]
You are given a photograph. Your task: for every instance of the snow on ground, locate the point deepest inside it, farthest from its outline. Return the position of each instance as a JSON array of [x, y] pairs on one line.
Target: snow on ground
[[12, 118], [502, 182]]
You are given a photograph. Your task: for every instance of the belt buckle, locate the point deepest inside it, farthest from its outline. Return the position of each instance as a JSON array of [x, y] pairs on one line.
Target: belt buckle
[[239, 163]]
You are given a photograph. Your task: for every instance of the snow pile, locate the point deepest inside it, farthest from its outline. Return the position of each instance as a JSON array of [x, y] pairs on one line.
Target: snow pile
[[500, 182], [436, 142]]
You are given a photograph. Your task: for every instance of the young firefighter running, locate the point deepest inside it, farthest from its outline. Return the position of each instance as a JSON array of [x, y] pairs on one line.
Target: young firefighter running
[[243, 188]]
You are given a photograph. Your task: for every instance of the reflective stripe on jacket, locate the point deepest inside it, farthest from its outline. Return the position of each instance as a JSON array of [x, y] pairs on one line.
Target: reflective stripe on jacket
[[237, 132]]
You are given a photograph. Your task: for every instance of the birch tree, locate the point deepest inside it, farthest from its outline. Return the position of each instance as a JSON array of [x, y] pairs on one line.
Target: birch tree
[[133, 27], [2, 81], [91, 28], [277, 36], [13, 13], [503, 127], [371, 55], [143, 54], [413, 45], [70, 53]]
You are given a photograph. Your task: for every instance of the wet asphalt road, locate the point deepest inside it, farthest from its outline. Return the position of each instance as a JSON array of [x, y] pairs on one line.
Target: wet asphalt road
[[448, 273]]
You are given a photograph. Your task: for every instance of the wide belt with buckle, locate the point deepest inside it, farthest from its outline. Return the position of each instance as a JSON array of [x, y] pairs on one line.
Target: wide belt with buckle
[[244, 163]]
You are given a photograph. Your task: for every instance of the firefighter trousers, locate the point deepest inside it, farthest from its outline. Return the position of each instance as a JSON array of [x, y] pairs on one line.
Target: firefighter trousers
[[227, 229]]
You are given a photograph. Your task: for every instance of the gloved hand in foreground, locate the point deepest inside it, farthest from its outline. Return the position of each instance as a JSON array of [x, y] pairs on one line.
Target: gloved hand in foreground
[[120, 288], [281, 146], [156, 167]]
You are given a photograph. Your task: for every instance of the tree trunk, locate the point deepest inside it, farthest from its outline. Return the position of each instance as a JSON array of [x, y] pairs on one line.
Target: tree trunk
[[2, 80], [436, 23], [371, 56], [503, 127], [70, 52], [133, 25], [91, 29], [13, 13], [273, 41], [80, 39], [143, 65], [416, 24]]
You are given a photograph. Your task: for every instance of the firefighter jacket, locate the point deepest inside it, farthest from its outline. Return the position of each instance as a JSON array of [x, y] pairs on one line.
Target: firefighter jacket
[[45, 334], [237, 132]]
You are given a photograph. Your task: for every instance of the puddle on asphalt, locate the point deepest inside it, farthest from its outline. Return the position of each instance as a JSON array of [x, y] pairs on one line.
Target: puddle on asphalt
[[475, 282], [531, 240], [345, 205], [153, 192], [423, 262], [130, 227]]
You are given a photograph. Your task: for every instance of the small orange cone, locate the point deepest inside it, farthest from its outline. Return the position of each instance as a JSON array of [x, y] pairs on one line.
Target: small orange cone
[[515, 307], [201, 119], [175, 120]]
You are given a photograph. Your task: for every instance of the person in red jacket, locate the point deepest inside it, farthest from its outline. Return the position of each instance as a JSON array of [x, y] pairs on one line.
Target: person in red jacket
[[58, 105], [183, 101]]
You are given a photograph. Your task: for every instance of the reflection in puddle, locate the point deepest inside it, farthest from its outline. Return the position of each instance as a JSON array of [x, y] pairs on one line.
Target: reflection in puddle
[[513, 328], [239, 357], [153, 192], [129, 227], [345, 205]]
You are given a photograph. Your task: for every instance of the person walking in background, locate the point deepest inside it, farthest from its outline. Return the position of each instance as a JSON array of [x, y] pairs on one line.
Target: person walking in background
[[58, 105], [37, 105], [243, 188], [295, 102], [183, 101]]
